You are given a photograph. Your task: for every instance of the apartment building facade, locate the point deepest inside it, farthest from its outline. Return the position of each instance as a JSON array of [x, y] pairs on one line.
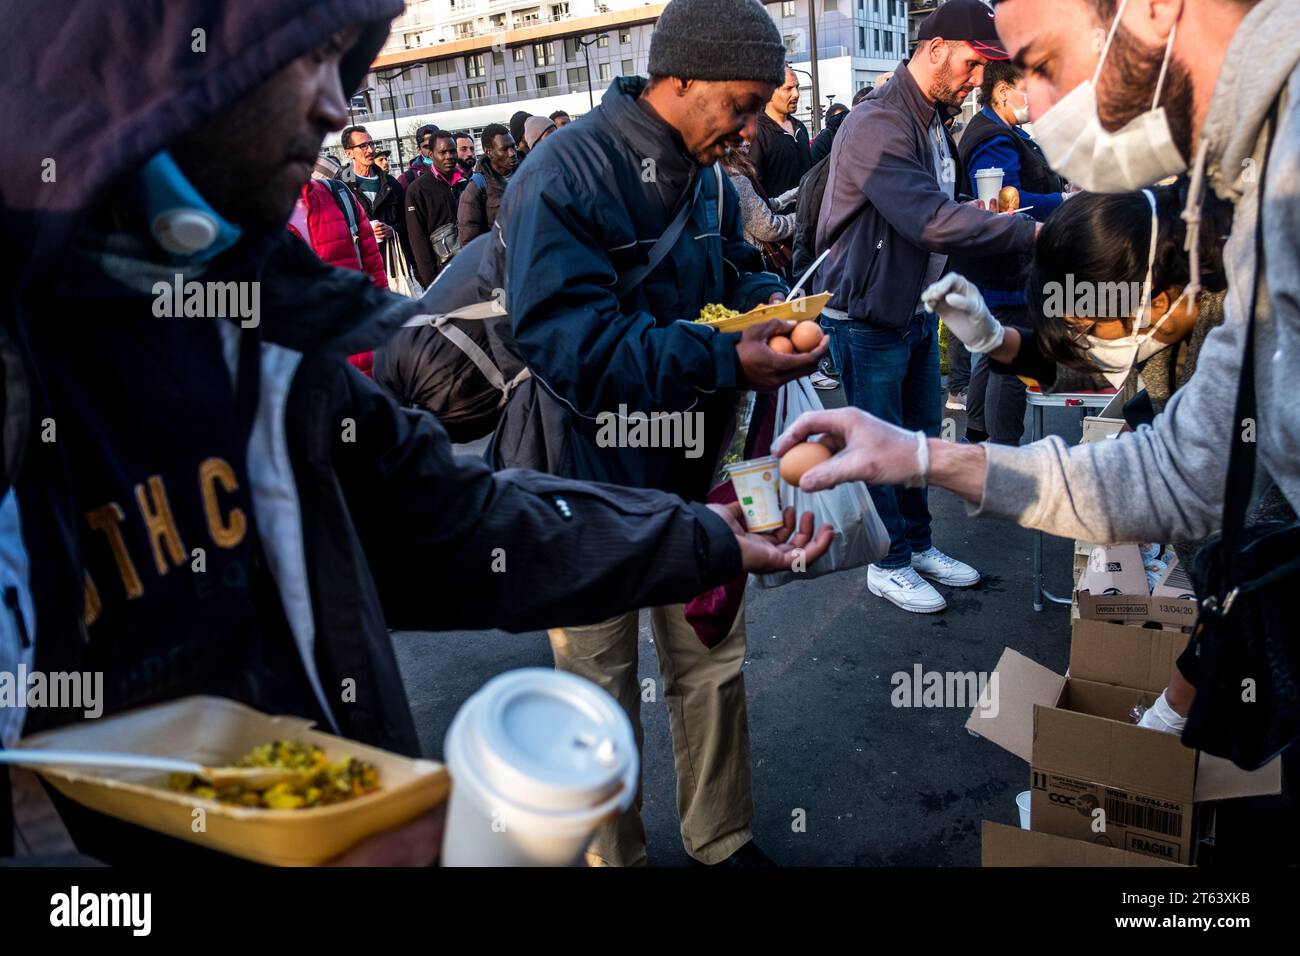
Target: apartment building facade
[[462, 64]]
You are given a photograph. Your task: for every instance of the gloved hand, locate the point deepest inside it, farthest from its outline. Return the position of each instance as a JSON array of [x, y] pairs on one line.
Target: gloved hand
[[1160, 716], [956, 300]]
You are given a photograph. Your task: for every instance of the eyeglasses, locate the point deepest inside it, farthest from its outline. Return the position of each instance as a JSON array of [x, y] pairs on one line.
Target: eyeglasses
[[367, 145]]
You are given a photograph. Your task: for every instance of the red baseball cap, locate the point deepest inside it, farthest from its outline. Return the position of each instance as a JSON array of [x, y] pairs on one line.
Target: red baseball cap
[[967, 20]]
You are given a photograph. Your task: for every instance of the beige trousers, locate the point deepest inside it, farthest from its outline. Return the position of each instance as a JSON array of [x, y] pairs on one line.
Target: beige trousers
[[705, 693]]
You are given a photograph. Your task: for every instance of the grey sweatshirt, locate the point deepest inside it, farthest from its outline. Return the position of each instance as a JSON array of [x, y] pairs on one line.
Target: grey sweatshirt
[[1166, 481], [761, 222]]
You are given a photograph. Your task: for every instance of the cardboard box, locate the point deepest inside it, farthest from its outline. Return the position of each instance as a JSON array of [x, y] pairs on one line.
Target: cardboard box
[[1114, 588], [1086, 754], [1002, 845]]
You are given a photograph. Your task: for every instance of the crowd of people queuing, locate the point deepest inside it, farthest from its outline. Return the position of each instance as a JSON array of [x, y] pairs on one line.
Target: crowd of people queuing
[[1149, 156]]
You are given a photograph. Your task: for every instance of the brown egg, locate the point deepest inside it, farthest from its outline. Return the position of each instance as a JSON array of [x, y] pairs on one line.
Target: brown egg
[[807, 335], [779, 343], [800, 458], [1009, 199]]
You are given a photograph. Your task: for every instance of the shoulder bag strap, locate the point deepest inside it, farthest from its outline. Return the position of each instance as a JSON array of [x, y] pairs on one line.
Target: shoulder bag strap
[[633, 277], [347, 205], [1241, 459]]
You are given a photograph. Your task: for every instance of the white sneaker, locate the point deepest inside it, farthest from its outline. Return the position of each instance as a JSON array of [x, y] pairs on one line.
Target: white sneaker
[[905, 588], [936, 565]]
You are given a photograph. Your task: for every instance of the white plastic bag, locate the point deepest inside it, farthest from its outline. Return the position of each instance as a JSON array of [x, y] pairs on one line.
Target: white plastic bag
[[860, 537], [401, 275]]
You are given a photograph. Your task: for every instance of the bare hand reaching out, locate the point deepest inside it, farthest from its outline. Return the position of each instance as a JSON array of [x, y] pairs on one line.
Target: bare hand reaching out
[[777, 550]]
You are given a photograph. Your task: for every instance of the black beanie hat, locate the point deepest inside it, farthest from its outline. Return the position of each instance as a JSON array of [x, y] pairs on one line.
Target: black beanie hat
[[717, 40], [517, 126]]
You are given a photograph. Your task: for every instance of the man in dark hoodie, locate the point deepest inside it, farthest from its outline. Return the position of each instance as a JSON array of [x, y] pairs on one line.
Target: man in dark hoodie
[[200, 495], [606, 339], [517, 131]]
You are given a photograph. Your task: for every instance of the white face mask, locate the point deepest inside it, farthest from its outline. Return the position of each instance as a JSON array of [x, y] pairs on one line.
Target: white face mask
[[1077, 147], [1021, 111], [1116, 357]]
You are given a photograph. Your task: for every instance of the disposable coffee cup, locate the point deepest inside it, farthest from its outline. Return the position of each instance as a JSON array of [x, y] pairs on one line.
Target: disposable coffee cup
[[539, 760], [758, 490], [1022, 804], [988, 183]]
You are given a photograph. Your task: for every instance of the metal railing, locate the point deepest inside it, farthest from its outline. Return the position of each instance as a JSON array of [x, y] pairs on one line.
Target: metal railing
[[492, 99]]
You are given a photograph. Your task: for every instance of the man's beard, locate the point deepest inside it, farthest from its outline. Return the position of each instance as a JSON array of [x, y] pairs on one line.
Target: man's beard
[[1132, 71], [941, 88]]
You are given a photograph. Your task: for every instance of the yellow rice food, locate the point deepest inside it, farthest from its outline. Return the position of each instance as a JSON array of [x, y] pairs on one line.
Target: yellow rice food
[[320, 784]]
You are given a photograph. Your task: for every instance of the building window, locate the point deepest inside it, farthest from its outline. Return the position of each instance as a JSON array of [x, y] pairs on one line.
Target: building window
[[474, 66], [435, 96], [518, 54], [787, 8], [830, 6], [544, 54], [410, 101], [575, 75], [559, 10], [862, 39], [502, 88], [453, 93], [889, 42], [570, 48], [629, 69], [624, 36], [477, 91], [546, 81], [498, 58], [385, 104], [791, 42], [606, 71], [875, 6], [859, 6], [602, 41], [521, 84], [876, 48]]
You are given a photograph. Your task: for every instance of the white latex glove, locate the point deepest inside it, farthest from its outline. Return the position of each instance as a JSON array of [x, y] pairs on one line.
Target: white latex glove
[[956, 300], [1160, 716], [786, 198], [864, 449]]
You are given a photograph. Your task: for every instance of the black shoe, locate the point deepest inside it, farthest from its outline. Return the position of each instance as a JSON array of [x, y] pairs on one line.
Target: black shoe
[[748, 856]]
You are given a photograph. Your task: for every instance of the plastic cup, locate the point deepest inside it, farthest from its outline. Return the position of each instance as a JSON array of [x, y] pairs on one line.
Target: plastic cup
[[758, 490], [539, 759], [988, 183], [1022, 804]]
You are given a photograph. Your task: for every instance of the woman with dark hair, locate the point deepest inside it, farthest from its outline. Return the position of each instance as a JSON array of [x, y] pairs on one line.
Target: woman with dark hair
[[764, 227], [995, 402], [1107, 299]]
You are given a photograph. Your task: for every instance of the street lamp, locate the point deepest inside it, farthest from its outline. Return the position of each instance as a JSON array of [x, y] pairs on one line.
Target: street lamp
[[591, 102], [388, 82], [812, 53], [352, 103]]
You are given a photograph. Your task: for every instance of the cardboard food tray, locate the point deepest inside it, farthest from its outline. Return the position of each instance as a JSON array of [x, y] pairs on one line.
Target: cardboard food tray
[[215, 732], [796, 310]]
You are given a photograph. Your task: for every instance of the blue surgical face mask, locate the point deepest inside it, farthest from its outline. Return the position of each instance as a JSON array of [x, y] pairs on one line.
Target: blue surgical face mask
[[181, 221]]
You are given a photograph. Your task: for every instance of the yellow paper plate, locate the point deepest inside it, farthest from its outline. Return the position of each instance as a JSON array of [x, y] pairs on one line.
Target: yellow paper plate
[[796, 310], [215, 732]]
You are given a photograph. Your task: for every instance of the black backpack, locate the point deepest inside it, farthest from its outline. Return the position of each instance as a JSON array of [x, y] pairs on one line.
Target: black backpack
[[811, 189], [459, 360]]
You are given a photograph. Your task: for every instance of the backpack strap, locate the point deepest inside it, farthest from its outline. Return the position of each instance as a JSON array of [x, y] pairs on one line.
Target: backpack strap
[[477, 312], [343, 197]]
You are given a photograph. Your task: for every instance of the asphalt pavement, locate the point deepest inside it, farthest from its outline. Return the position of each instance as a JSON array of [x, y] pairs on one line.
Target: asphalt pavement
[[840, 775]]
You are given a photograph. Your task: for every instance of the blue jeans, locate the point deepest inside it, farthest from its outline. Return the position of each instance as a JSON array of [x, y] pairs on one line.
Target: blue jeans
[[828, 326], [895, 376]]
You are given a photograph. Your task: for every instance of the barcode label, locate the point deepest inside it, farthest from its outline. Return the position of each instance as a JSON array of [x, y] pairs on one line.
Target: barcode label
[[1122, 813], [1178, 578]]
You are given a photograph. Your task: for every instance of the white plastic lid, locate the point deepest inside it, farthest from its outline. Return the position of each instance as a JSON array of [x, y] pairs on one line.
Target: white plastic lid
[[548, 740], [184, 232]]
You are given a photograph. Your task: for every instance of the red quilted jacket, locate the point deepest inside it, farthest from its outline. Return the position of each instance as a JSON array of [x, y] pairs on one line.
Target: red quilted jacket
[[332, 241]]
